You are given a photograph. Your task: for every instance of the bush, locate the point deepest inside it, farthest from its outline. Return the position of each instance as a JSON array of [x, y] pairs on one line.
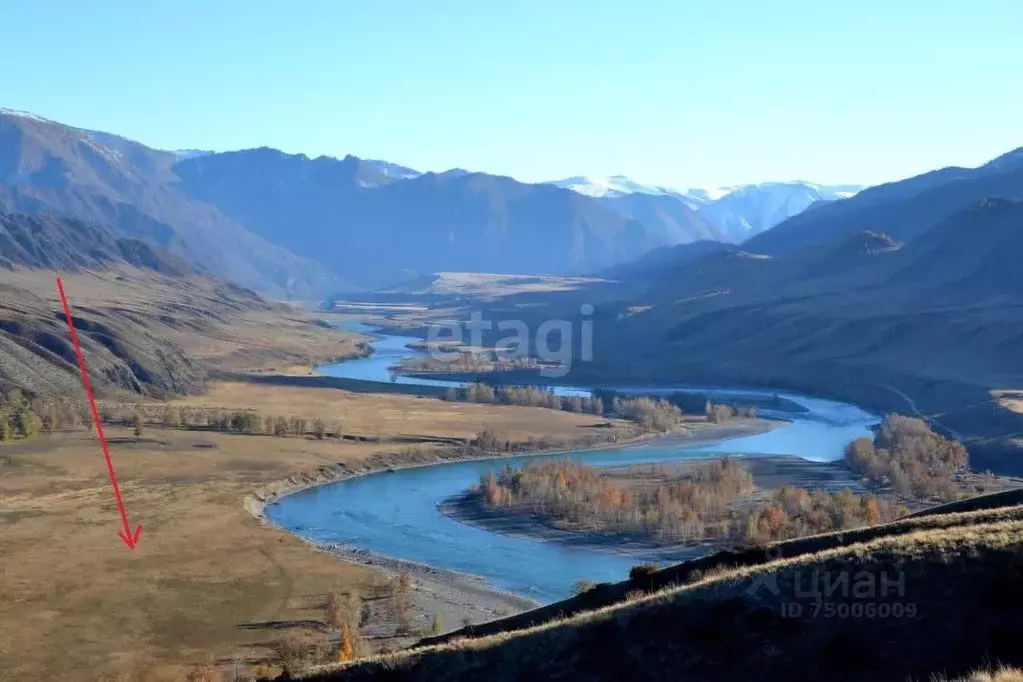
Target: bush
[[657, 415], [642, 571]]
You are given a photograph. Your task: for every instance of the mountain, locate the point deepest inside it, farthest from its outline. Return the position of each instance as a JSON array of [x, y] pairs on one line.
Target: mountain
[[295, 226], [359, 220], [939, 318], [46, 167], [901, 209], [667, 258], [751, 209], [727, 214], [130, 298], [611, 186], [932, 324], [48, 242]]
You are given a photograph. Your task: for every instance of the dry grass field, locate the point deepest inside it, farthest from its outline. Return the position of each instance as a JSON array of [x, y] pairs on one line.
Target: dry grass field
[[395, 415], [207, 579]]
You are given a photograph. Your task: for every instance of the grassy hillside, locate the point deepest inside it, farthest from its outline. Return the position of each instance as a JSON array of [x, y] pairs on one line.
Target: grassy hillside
[[149, 323], [918, 579]]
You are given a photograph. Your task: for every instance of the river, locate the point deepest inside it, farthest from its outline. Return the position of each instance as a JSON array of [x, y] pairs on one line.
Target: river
[[395, 514]]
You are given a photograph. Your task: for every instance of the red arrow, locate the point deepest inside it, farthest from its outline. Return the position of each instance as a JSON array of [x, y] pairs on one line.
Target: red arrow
[[129, 538]]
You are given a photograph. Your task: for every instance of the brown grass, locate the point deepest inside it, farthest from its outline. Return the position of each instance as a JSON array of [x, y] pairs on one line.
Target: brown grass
[[207, 577], [723, 627], [1000, 674], [393, 414]]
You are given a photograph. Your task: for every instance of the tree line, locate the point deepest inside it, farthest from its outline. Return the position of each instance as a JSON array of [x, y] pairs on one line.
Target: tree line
[[651, 413], [795, 512], [24, 417]]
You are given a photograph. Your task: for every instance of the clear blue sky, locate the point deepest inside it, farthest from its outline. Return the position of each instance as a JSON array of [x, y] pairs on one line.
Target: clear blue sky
[[677, 92]]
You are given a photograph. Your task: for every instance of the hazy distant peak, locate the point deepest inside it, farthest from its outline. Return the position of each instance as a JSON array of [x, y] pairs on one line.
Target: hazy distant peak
[[191, 153], [611, 186], [393, 170]]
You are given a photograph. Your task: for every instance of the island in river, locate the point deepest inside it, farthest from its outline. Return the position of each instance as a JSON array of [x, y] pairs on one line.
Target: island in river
[[754, 482]]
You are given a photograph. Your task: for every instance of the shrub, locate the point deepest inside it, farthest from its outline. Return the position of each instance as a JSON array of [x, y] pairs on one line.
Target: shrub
[[642, 571], [437, 626]]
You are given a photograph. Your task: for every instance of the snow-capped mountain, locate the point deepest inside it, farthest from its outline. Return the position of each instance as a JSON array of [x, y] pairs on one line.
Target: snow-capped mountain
[[748, 210], [612, 186], [733, 213]]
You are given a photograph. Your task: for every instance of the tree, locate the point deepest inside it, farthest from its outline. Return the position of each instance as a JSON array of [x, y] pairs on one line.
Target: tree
[[319, 429], [346, 652], [172, 417], [136, 423], [437, 626], [6, 433], [582, 585], [291, 651], [401, 600], [28, 423], [49, 418]]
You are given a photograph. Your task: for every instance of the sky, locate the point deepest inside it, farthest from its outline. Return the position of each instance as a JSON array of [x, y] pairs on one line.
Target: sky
[[679, 93]]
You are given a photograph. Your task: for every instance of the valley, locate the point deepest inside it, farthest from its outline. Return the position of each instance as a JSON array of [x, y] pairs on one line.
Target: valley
[[709, 391], [208, 581]]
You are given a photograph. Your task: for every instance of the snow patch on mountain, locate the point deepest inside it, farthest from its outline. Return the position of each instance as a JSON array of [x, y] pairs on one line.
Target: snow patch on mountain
[[185, 154], [611, 186], [23, 114], [737, 212], [393, 170]]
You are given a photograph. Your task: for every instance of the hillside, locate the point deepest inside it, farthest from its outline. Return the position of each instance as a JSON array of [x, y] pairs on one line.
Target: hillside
[[763, 620], [902, 209], [149, 323], [47, 242]]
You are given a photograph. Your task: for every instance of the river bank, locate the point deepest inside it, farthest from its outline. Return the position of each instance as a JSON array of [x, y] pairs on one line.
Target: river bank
[[460, 597]]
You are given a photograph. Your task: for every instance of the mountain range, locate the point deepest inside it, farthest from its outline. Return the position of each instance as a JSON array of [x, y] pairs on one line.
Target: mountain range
[[726, 214], [298, 227], [904, 297]]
